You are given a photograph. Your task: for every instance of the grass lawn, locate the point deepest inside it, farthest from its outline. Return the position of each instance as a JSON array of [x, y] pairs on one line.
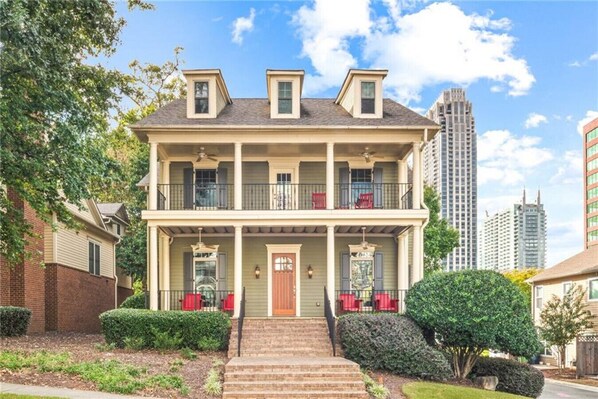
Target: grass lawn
[[432, 390], [15, 396]]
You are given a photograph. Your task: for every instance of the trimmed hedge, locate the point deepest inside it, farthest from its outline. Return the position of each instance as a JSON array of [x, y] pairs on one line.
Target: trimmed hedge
[[191, 327], [135, 301], [391, 342], [513, 377], [14, 321]]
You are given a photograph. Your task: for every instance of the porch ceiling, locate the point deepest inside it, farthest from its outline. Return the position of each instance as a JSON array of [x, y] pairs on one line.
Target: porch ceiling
[[179, 231]]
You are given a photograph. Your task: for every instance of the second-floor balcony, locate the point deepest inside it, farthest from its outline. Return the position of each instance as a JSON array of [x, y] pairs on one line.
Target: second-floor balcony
[[212, 196]]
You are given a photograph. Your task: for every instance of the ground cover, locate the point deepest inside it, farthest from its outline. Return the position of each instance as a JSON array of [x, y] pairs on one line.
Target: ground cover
[[431, 390]]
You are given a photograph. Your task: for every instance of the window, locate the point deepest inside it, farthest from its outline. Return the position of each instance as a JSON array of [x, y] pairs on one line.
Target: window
[[205, 188], [368, 96], [593, 290], [285, 97], [94, 258], [118, 229], [592, 178], [566, 288], [361, 186], [202, 105], [591, 135], [362, 273], [205, 264], [539, 293], [592, 150]]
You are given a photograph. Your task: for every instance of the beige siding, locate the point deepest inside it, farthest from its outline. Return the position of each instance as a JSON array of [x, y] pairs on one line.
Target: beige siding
[[176, 172], [83, 213], [349, 100], [256, 173], [123, 279], [312, 172], [220, 101], [48, 245], [72, 249]]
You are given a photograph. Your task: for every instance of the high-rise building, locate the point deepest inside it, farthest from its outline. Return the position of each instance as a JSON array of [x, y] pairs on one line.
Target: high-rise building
[[514, 238], [590, 169], [450, 161]]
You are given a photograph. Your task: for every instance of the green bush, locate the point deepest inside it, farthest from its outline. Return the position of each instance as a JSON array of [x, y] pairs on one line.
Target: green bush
[[133, 343], [166, 340], [14, 321], [135, 301], [513, 377], [391, 342], [208, 344], [139, 323]]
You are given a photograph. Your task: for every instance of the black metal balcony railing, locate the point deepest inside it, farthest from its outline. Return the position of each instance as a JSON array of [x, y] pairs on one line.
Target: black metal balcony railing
[[195, 196], [284, 196], [373, 196], [370, 301], [201, 300]]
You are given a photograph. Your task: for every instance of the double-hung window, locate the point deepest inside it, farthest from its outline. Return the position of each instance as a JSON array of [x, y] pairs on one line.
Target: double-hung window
[[593, 289], [539, 293], [368, 96], [202, 100], [566, 288], [94, 258], [285, 97], [361, 184]]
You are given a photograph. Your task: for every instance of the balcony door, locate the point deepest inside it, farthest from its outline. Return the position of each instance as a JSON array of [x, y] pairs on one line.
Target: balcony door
[[283, 193], [283, 284]]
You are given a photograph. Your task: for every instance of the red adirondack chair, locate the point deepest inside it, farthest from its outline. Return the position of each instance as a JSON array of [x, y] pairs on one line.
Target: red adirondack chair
[[365, 201], [383, 303], [348, 303], [228, 304], [191, 302], [318, 200]]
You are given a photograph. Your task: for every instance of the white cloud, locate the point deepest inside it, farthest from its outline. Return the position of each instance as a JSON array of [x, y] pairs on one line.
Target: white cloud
[[575, 64], [495, 203], [590, 115], [472, 47], [242, 25], [564, 239], [578, 64], [534, 120], [569, 170], [594, 57], [503, 157]]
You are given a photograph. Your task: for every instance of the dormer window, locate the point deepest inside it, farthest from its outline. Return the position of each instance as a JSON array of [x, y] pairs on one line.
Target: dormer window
[[368, 97], [361, 93], [285, 97], [202, 98], [284, 93]]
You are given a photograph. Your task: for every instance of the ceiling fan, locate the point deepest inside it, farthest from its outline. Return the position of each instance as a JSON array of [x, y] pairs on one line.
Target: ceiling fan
[[200, 245], [365, 244], [201, 154], [368, 155]]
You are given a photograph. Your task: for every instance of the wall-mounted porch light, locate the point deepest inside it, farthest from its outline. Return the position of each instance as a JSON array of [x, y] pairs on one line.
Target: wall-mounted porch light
[[310, 271], [257, 271]]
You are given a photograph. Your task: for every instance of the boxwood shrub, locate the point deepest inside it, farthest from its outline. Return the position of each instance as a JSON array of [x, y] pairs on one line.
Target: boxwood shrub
[[393, 343], [513, 377], [135, 301], [192, 327], [14, 321]]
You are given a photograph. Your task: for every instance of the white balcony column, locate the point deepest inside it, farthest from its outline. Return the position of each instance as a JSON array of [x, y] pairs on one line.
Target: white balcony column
[[153, 177], [329, 175], [330, 258], [403, 266], [166, 271], [417, 272], [402, 179], [153, 267], [417, 176], [165, 181], [238, 180], [238, 286]]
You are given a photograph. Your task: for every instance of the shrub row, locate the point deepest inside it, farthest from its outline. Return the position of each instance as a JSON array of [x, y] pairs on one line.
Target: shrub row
[[391, 342], [14, 321], [136, 301], [151, 329], [513, 377]]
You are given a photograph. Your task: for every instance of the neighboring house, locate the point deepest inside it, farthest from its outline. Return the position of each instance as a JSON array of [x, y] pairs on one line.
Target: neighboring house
[[580, 269], [78, 280], [281, 188]]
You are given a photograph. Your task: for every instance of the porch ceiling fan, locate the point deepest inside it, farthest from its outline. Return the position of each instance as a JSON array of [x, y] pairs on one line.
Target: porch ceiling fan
[[369, 155], [200, 245], [201, 154], [365, 244]]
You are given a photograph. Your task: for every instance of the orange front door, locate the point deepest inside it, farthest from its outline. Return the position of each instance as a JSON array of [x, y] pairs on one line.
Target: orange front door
[[283, 284]]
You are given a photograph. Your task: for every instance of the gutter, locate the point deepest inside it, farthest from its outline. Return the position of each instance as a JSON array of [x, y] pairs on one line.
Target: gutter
[[114, 274]]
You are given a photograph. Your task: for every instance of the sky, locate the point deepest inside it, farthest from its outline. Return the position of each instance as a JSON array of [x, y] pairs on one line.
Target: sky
[[530, 69]]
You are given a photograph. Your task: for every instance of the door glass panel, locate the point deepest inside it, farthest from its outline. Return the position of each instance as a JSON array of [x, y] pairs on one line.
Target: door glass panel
[[284, 190], [205, 188], [361, 183], [283, 263], [206, 279]]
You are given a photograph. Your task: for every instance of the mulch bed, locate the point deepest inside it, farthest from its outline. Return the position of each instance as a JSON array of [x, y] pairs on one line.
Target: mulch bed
[[568, 375], [82, 348]]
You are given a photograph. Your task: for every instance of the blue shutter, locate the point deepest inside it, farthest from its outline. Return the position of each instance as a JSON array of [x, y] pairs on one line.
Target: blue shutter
[[222, 188], [378, 200], [378, 271], [344, 180], [187, 188], [188, 272], [345, 271]]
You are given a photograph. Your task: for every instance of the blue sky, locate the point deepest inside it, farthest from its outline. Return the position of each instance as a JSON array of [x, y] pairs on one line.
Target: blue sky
[[530, 69]]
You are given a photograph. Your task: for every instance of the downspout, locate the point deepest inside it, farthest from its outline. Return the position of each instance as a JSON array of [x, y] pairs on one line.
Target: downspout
[[115, 276]]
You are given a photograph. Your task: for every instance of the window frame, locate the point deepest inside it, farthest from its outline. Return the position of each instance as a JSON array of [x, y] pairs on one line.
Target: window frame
[[206, 98], [563, 284], [590, 281], [541, 297], [369, 100], [288, 99], [93, 261]]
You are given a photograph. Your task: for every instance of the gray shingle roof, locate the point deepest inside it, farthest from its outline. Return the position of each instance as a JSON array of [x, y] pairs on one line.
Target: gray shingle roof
[[581, 263], [256, 112]]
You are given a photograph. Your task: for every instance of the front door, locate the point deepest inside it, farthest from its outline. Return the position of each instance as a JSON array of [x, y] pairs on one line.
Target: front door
[[283, 284]]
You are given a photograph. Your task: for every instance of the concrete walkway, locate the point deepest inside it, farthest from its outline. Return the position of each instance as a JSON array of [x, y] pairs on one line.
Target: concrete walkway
[[34, 390], [554, 389]]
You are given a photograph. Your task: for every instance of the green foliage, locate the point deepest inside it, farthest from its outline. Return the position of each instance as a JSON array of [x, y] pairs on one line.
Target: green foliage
[[103, 347], [561, 320], [390, 342], [374, 389], [439, 238], [519, 277], [513, 377], [166, 340], [189, 354], [213, 383], [140, 323], [431, 390], [132, 343], [137, 287], [135, 301], [14, 321], [208, 344], [470, 311]]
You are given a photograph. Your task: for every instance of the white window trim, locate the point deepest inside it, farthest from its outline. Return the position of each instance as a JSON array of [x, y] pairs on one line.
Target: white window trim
[[536, 297], [589, 281], [285, 249], [563, 286], [99, 244], [212, 102], [378, 112], [296, 100]]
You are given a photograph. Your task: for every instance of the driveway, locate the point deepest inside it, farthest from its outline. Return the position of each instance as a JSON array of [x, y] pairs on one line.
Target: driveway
[[553, 390]]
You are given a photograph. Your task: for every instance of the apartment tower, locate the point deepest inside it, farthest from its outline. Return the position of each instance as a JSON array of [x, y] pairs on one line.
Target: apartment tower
[[590, 156], [450, 167]]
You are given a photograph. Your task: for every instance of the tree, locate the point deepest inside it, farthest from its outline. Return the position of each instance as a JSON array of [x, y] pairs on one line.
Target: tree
[[561, 320], [519, 277], [55, 100], [470, 311], [439, 238]]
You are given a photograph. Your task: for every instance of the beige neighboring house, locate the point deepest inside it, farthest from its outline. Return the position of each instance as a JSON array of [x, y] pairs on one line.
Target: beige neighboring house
[[580, 269], [283, 189]]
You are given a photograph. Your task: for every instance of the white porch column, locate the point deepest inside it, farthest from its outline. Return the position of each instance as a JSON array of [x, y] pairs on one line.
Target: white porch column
[[238, 286], [402, 175], [329, 175], [165, 179], [330, 257], [153, 177], [403, 268], [153, 267], [417, 176], [166, 271], [417, 272], [238, 180]]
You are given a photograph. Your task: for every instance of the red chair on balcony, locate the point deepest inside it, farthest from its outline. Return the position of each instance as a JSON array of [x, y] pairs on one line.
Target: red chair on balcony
[[228, 304], [365, 201], [384, 303], [348, 303], [191, 302], [318, 200]]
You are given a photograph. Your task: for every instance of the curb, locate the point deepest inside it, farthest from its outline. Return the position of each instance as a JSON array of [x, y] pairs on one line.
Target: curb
[[36, 390], [572, 385]]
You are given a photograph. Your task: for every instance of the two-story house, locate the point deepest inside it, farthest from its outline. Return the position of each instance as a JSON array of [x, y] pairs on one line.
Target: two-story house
[[290, 195]]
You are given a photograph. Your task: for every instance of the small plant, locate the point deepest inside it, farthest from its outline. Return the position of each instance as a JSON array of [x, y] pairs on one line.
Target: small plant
[[213, 385], [208, 344], [14, 321], [376, 390], [176, 365], [104, 347], [165, 340], [134, 343], [188, 354]]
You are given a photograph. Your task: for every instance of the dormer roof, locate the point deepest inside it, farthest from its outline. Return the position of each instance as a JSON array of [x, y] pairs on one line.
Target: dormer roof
[[381, 73], [300, 73], [217, 73]]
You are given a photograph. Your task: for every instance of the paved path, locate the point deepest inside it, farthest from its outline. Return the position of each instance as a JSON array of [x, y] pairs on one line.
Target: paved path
[[60, 392], [559, 390]]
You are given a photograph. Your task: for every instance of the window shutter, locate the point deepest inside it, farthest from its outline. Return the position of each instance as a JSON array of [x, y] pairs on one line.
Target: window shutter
[[222, 269], [222, 188], [378, 271], [97, 259], [344, 177], [345, 272], [187, 188], [378, 200], [188, 277], [90, 253]]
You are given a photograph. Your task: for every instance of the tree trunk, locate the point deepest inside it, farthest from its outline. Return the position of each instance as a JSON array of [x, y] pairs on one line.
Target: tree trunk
[[563, 354]]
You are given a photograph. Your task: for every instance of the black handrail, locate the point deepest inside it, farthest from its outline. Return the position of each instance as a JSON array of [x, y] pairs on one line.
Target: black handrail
[[330, 320], [240, 323]]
